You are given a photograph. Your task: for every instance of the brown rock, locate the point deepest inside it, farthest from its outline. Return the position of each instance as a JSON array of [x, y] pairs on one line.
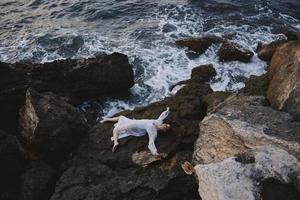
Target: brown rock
[[266, 51], [233, 52], [200, 74], [242, 123], [215, 99], [76, 79], [203, 73], [256, 85], [51, 125], [199, 45], [284, 75]]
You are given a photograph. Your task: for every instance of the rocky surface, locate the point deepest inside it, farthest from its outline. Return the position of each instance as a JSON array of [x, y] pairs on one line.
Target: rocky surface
[[77, 80], [284, 72], [12, 164], [230, 51], [12, 160], [37, 181], [199, 45], [241, 147], [242, 143], [256, 85], [51, 125], [132, 172], [265, 51], [199, 75], [246, 149], [267, 162], [242, 123]]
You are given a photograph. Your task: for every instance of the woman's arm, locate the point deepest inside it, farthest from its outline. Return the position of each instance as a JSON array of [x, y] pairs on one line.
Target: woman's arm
[[164, 114], [107, 119]]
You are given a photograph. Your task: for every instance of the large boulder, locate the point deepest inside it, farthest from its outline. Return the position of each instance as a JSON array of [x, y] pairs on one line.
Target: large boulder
[[243, 176], [76, 79], [37, 181], [203, 73], [256, 85], [51, 125], [132, 172], [265, 51], [230, 51], [200, 74], [12, 159], [242, 123], [284, 75], [199, 45], [229, 160]]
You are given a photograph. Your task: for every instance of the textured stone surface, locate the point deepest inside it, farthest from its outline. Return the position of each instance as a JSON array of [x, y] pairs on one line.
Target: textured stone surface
[[284, 75], [199, 45], [232, 180], [242, 123], [51, 125], [132, 172], [77, 80], [266, 51], [230, 51]]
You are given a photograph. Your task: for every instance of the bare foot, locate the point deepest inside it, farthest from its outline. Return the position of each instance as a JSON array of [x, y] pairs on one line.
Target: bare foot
[[158, 157], [114, 147]]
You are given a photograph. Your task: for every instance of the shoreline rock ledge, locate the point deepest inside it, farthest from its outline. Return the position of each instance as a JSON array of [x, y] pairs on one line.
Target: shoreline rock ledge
[[248, 147], [75, 79]]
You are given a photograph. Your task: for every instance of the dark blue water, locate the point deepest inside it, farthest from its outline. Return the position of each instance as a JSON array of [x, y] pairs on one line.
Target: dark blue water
[[145, 30]]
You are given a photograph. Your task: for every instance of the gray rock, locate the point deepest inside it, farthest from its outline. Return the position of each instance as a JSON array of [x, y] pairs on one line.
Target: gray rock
[[242, 123], [201, 44], [232, 180]]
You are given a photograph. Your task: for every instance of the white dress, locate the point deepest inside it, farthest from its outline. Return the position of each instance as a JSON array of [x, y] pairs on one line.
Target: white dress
[[139, 127]]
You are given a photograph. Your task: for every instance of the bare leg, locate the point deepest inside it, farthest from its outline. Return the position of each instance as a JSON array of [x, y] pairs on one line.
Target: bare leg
[[107, 119], [115, 139]]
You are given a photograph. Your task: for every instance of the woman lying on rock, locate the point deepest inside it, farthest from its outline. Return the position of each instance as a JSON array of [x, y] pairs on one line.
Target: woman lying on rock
[[138, 127]]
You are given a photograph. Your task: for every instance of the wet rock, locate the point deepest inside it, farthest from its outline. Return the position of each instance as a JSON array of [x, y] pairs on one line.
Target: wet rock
[[200, 74], [291, 34], [230, 179], [91, 110], [203, 73], [284, 75], [51, 125], [199, 45], [131, 172], [233, 52], [266, 51], [12, 160], [37, 181], [256, 85], [78, 80]]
